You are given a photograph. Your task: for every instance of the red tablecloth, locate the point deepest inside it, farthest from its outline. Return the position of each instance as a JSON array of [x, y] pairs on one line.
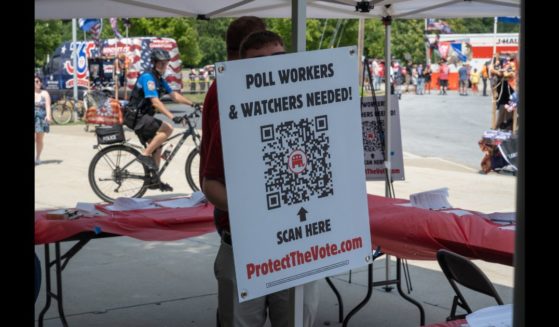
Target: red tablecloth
[[417, 234], [406, 232], [453, 323], [160, 224]]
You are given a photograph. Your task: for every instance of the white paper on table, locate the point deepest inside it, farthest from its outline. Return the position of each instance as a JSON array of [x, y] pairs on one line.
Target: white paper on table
[[495, 316], [433, 199], [459, 212], [88, 209], [502, 217], [407, 204], [195, 199], [125, 204]]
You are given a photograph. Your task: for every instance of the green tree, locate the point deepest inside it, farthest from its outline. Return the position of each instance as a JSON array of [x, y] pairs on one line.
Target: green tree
[[407, 39], [180, 29], [203, 42], [212, 40], [281, 26], [374, 38], [48, 35]]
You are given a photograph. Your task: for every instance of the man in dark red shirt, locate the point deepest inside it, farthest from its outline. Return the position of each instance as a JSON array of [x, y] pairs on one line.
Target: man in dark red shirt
[[276, 305], [212, 176], [212, 180]]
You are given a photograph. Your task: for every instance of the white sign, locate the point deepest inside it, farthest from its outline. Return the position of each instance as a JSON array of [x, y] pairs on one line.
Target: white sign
[[293, 156], [373, 140]]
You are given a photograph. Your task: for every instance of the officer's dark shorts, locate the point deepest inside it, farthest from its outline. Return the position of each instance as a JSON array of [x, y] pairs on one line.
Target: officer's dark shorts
[[146, 127]]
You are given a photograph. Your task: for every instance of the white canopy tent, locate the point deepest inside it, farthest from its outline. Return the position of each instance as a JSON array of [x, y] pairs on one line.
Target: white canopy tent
[[64, 9], [299, 10]]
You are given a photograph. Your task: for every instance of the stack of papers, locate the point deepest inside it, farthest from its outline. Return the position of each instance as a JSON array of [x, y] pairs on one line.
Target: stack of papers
[[433, 200], [125, 204], [195, 199], [89, 210], [496, 316]]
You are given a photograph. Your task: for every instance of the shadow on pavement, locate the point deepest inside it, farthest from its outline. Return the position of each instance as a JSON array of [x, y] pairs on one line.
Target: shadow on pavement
[[46, 162]]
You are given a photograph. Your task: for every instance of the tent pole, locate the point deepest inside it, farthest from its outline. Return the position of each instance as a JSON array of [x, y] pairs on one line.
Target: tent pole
[[75, 63], [298, 25], [519, 292], [387, 24], [495, 36], [427, 44], [360, 45], [298, 32], [387, 20]]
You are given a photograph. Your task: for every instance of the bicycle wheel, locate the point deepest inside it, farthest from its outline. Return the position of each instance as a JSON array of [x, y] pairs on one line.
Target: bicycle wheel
[[62, 112], [115, 172], [192, 168]]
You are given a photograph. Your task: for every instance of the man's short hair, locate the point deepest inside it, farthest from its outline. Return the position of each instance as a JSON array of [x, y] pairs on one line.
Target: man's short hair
[[239, 29], [258, 40]]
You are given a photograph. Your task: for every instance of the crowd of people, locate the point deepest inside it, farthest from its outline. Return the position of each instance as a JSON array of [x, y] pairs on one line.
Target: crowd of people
[[418, 78], [199, 80], [497, 78]]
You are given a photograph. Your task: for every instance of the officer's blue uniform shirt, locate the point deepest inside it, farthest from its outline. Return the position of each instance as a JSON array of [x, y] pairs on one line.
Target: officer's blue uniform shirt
[[147, 83]]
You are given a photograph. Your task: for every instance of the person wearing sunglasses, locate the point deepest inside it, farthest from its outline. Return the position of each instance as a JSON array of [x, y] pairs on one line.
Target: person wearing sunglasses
[[42, 118]]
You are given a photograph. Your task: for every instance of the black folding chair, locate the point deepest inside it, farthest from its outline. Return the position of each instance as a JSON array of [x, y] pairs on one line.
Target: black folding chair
[[461, 270]]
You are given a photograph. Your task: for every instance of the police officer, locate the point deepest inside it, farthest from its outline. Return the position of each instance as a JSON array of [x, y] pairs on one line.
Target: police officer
[[144, 103]]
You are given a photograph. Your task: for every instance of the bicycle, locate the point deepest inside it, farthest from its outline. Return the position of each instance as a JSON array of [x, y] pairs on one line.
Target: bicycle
[[115, 170], [63, 109]]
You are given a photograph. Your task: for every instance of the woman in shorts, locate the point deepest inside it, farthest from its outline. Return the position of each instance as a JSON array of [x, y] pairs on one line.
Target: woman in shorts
[[42, 117]]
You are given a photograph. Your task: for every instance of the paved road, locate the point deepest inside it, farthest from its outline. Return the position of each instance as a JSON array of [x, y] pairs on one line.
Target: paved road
[[445, 126]]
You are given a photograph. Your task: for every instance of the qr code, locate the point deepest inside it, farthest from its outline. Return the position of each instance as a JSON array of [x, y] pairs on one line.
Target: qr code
[[372, 140], [297, 161]]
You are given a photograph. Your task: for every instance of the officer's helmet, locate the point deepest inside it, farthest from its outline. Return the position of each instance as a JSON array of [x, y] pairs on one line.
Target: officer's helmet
[[160, 55]]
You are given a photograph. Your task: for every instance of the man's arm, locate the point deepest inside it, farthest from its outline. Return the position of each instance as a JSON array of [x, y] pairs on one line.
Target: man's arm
[[161, 107], [215, 192], [177, 97]]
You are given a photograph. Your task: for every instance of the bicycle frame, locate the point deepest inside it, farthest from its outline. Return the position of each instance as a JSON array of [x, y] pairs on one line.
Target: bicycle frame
[[190, 131], [123, 166]]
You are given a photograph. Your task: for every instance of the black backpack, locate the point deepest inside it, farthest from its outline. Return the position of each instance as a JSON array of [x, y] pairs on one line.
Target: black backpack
[[139, 105]]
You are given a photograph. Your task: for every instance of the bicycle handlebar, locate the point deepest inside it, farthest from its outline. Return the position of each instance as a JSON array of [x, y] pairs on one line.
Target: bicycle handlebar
[[195, 114]]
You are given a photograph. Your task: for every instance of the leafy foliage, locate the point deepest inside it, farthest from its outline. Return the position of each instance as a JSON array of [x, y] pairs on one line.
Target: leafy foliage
[[203, 42], [407, 39], [49, 35]]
